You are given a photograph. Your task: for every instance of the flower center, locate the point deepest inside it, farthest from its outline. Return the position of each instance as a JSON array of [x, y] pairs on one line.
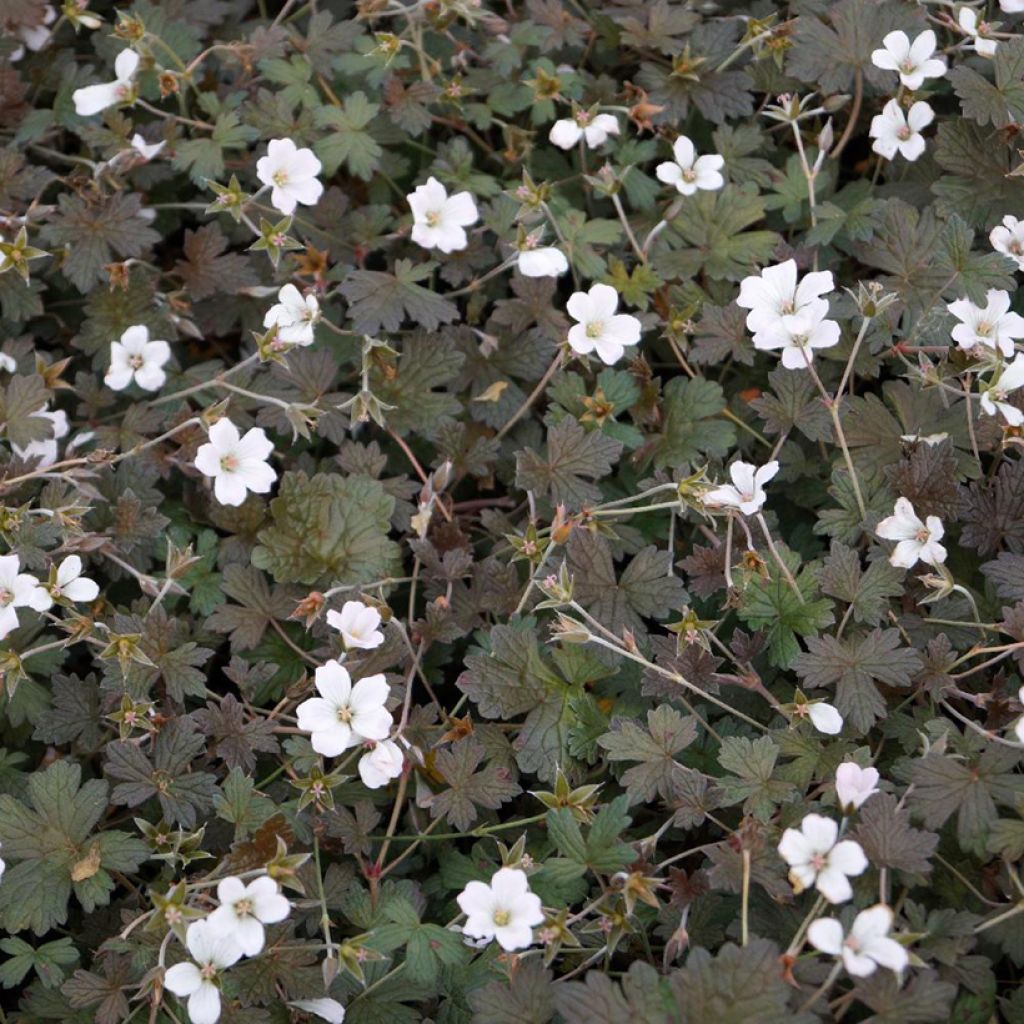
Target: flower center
[[788, 307], [502, 918], [280, 178], [903, 133], [345, 714], [6, 597], [852, 944], [819, 861], [595, 329], [136, 362], [984, 329], [433, 218], [908, 66], [923, 535], [122, 92], [243, 908], [229, 463], [689, 175], [1015, 248], [208, 972]]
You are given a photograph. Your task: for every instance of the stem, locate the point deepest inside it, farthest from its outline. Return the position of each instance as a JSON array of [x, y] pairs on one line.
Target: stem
[[325, 920], [531, 398], [778, 557], [745, 898], [823, 987], [641, 254]]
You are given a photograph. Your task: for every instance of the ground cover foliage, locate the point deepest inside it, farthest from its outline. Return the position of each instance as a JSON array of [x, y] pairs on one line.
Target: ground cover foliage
[[511, 512]]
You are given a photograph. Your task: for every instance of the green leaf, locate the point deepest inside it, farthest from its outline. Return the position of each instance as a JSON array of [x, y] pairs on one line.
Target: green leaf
[[203, 157], [384, 300], [642, 997], [602, 850], [349, 143], [690, 427], [752, 762], [1000, 104], [468, 786], [868, 590], [327, 527], [19, 401], [884, 832], [48, 961], [239, 803]]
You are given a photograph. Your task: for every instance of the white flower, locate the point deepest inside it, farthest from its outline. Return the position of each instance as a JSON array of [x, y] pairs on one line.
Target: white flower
[[237, 464], [291, 174], [799, 335], [854, 785], [977, 31], [344, 715], [825, 718], [994, 326], [816, 859], [3, 867], [1018, 726], [358, 624], [440, 220], [294, 316], [868, 945], [1008, 238], [145, 149], [993, 397], [18, 590], [1011, 6], [913, 60], [34, 37], [599, 328], [544, 262], [7, 363], [329, 1010], [595, 130], [689, 172], [70, 584], [94, 98], [894, 131], [917, 540], [199, 981], [775, 293], [746, 492], [137, 358], [245, 909], [379, 766], [505, 910], [44, 452]]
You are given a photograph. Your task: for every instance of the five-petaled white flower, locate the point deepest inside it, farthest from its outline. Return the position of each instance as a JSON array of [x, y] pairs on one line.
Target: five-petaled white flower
[[994, 395], [914, 61], [379, 766], [144, 149], [343, 716], [137, 358], [825, 718], [594, 129], [917, 541], [993, 326], [18, 590], [94, 98], [1008, 238], [237, 464], [689, 172], [977, 31], [546, 261], [854, 785], [798, 335], [776, 293], [358, 624], [505, 909], [816, 859], [895, 132], [600, 329], [212, 953], [245, 909], [324, 1007], [746, 492], [440, 220], [868, 945], [291, 173], [69, 584], [44, 452], [294, 316]]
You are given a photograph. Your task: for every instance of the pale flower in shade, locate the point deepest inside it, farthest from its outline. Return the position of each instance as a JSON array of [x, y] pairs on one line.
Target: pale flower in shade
[[778, 292], [854, 785], [746, 492], [895, 132], [796, 337], [325, 1008], [825, 718], [594, 129], [1018, 726], [913, 61], [34, 37], [18, 590], [291, 174], [94, 98], [989, 326], [199, 979], [358, 624], [546, 261], [916, 540], [70, 585], [440, 220], [137, 358], [689, 172], [144, 149], [1008, 238], [245, 909], [379, 766], [344, 715], [994, 395], [817, 860], [504, 910], [44, 451], [237, 464], [866, 948], [977, 31], [295, 316], [1011, 6], [599, 329]]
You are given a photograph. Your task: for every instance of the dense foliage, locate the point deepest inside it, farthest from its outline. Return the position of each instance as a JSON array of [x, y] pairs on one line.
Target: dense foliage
[[511, 512]]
